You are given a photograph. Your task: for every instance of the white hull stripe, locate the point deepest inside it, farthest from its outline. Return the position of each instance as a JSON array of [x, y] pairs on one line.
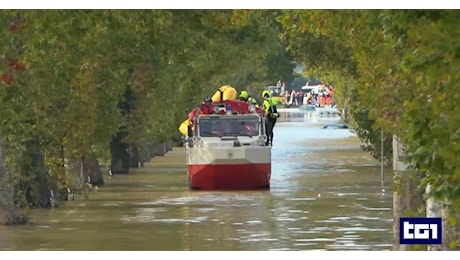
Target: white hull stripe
[[228, 155]]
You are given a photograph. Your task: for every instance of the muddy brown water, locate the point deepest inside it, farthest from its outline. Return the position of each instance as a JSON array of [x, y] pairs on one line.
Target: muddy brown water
[[326, 194]]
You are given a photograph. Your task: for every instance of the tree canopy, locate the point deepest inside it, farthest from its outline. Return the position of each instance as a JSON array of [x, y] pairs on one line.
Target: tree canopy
[[401, 67], [64, 74]]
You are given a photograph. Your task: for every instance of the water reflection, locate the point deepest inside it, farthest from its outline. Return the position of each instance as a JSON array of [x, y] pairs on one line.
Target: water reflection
[[325, 194]]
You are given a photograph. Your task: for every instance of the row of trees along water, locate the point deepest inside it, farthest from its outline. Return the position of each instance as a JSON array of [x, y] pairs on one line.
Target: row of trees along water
[[398, 70], [85, 85], [75, 80]]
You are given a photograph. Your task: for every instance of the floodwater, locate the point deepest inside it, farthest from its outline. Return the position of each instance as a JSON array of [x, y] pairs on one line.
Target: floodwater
[[326, 194]]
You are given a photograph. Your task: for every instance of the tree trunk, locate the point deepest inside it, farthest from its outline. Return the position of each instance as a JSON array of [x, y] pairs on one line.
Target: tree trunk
[[345, 118], [120, 156], [159, 149], [449, 232], [134, 157], [6, 194], [120, 162], [401, 203], [33, 168], [8, 212], [436, 208], [92, 171], [146, 154], [405, 195], [433, 209]]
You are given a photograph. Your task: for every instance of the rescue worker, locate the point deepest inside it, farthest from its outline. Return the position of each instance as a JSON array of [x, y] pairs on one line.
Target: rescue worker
[[271, 115], [244, 96]]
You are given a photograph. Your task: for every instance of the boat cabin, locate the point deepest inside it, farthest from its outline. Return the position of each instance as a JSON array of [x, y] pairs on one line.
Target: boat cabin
[[229, 125]]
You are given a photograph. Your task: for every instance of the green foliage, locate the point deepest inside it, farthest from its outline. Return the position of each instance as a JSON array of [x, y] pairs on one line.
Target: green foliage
[[64, 72], [402, 70], [324, 41]]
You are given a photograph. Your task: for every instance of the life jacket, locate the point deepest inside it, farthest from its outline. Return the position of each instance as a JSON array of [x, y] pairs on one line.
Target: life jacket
[[252, 100], [270, 108]]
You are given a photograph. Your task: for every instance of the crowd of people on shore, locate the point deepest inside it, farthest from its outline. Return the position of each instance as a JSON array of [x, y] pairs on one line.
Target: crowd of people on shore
[[321, 95]]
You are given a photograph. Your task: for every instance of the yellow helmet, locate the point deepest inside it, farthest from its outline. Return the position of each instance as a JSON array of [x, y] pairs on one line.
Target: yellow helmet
[[244, 94], [265, 92]]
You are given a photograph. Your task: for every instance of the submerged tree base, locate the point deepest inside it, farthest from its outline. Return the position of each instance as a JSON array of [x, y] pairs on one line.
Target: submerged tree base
[[14, 218]]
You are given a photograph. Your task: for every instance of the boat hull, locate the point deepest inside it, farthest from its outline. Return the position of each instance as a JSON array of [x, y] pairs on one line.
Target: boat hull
[[236, 168]]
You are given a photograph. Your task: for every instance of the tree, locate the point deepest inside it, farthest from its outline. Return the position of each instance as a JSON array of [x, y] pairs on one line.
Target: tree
[[406, 65], [65, 73]]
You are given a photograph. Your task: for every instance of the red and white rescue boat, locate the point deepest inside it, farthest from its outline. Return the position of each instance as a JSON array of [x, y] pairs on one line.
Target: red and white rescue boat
[[226, 147]]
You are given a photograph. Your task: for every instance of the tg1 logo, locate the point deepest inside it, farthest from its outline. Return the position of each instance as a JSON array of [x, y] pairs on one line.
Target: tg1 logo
[[420, 231]]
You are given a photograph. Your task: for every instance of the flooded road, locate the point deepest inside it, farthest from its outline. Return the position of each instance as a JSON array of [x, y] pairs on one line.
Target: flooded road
[[326, 194]]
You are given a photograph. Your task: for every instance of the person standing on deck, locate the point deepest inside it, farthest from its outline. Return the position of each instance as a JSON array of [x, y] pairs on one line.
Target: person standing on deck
[[244, 96], [271, 115]]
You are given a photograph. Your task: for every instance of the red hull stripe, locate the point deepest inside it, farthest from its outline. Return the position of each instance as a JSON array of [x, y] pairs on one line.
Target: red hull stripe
[[229, 176]]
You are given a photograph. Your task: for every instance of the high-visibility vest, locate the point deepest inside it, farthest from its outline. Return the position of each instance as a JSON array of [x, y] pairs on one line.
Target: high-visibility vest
[[252, 100], [270, 106]]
